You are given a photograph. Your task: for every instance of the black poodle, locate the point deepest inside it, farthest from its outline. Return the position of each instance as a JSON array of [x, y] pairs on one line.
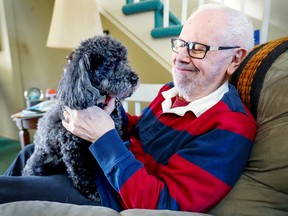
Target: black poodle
[[98, 70]]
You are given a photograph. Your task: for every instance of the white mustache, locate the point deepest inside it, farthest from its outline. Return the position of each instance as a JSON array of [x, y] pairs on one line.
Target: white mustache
[[181, 66]]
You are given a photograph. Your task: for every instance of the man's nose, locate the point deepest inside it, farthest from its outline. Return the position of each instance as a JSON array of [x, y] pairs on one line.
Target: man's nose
[[183, 54]]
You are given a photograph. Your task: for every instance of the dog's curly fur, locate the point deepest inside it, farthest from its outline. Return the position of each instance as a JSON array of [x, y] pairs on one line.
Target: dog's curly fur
[[98, 69]]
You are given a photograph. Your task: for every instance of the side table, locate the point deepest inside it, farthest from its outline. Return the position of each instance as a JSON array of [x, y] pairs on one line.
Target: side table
[[24, 125]]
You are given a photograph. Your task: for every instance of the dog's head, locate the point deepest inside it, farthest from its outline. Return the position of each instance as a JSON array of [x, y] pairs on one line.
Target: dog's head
[[98, 68]]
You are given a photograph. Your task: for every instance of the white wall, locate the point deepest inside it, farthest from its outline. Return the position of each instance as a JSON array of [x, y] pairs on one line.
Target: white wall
[[25, 61]]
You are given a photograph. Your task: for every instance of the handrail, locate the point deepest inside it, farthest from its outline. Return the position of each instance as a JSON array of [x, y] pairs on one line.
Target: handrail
[[164, 28], [265, 17]]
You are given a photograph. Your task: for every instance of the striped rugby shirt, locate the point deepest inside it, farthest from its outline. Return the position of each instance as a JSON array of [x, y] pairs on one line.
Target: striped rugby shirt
[[180, 162]]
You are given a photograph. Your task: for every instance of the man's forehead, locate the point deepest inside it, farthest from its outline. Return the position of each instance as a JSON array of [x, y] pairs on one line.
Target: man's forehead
[[209, 16], [205, 27]]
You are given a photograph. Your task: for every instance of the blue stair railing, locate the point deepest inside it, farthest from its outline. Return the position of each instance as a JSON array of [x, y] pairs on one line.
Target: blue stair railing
[[158, 31]]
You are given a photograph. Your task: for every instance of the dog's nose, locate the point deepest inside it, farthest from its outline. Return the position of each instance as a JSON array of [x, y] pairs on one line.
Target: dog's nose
[[134, 79]]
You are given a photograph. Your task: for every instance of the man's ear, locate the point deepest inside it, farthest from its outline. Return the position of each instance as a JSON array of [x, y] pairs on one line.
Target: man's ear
[[237, 59]]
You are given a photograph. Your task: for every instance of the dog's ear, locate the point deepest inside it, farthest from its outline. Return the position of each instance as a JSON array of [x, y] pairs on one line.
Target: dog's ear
[[75, 88], [85, 63]]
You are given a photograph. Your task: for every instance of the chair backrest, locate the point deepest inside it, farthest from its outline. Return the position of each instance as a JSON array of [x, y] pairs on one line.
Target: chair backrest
[[262, 83], [143, 95]]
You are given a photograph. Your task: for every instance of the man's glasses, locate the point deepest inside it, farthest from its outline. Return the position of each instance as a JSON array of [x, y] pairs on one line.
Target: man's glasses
[[195, 50]]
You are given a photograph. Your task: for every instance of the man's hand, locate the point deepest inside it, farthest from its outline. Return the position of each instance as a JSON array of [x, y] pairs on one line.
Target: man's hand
[[89, 124]]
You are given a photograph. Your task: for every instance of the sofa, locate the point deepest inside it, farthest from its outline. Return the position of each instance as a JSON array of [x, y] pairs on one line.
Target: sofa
[[262, 81]]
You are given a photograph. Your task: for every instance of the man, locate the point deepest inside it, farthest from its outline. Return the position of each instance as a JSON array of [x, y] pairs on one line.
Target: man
[[191, 144]]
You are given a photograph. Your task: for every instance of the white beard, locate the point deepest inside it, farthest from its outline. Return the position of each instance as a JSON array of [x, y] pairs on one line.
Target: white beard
[[191, 86]]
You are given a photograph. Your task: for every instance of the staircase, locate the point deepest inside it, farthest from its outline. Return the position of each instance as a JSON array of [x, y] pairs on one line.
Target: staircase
[[173, 27], [138, 28]]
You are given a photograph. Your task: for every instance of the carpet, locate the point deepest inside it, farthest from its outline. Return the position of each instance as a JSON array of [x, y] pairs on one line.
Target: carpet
[[9, 149]]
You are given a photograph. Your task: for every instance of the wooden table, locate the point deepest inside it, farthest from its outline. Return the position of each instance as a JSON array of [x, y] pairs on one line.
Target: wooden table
[[24, 125]]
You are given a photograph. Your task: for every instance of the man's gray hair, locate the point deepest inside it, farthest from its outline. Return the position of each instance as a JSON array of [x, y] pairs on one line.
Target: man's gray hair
[[240, 30]]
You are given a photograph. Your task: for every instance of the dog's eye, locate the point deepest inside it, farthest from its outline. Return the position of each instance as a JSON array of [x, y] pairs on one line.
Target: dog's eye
[[95, 62]]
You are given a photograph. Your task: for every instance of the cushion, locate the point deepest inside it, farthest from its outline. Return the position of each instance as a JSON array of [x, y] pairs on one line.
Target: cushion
[[262, 81], [44, 208]]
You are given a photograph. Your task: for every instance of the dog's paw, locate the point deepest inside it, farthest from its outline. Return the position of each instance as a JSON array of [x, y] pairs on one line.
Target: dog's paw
[[95, 197]]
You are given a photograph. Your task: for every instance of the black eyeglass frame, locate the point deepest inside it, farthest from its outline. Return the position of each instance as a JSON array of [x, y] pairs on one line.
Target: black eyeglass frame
[[191, 45]]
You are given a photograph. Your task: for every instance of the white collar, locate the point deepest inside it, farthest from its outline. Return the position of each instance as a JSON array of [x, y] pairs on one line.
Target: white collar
[[197, 107]]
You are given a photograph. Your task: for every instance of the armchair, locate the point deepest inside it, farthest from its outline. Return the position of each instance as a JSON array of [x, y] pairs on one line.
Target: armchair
[[262, 81]]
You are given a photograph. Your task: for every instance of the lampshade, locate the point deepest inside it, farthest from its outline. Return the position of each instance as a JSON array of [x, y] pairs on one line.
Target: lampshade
[[72, 22]]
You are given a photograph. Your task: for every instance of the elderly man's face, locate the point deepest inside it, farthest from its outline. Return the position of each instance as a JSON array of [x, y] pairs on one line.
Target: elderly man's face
[[196, 78]]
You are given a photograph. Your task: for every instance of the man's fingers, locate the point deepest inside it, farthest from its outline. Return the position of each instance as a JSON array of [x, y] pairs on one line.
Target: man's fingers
[[110, 106]]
